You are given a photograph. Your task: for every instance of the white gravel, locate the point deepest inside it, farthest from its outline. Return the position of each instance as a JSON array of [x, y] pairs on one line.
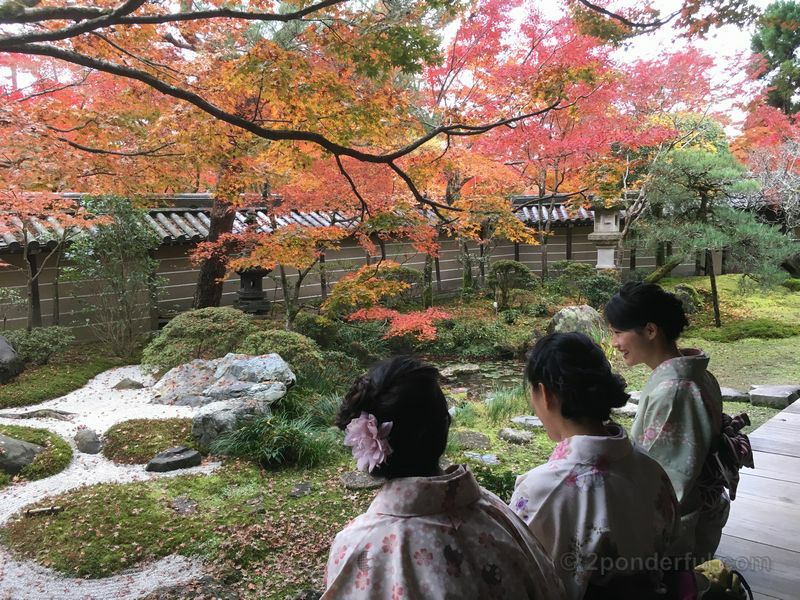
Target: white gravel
[[98, 407]]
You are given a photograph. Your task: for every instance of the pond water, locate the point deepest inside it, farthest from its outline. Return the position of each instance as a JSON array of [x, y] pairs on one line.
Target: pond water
[[475, 379]]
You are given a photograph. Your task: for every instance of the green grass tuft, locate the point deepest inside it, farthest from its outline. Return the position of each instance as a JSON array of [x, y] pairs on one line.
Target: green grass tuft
[[505, 403], [764, 329]]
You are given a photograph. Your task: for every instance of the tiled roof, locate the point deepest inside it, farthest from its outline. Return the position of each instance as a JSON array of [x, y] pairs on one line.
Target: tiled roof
[[190, 225]]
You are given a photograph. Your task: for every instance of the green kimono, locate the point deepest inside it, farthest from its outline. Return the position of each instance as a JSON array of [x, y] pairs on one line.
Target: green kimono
[[678, 422]]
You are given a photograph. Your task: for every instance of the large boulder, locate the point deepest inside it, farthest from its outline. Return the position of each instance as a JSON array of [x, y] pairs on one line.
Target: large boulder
[[221, 417], [87, 441], [583, 319], [16, 454], [11, 364], [233, 376]]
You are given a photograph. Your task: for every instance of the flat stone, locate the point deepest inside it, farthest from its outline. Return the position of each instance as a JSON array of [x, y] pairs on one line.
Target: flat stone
[[733, 395], [775, 396], [634, 397], [460, 369], [173, 459], [472, 440], [487, 459], [183, 505], [516, 436], [301, 489], [128, 384], [88, 441], [528, 421], [629, 410], [358, 480], [16, 454], [40, 413]]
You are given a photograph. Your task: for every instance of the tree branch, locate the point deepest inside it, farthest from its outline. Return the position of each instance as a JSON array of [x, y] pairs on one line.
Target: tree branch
[[627, 22], [153, 152]]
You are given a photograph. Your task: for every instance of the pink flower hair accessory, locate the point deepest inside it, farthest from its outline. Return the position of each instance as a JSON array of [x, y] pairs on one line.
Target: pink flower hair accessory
[[368, 439]]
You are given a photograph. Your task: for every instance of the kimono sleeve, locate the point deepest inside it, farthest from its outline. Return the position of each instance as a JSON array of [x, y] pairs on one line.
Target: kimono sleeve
[[675, 429]]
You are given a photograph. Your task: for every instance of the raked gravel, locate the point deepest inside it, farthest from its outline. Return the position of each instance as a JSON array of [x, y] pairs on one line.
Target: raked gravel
[[96, 406]]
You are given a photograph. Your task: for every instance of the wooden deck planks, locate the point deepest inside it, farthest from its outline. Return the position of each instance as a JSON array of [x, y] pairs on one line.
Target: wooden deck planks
[[762, 536]]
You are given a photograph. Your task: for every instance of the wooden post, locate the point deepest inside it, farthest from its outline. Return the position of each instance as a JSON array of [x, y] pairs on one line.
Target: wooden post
[[34, 301], [438, 274], [570, 225], [323, 280], [633, 258], [516, 251]]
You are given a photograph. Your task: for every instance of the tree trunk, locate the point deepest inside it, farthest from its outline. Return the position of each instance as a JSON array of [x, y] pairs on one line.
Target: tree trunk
[[545, 237], [438, 274], [467, 280], [323, 278], [427, 282], [34, 303], [698, 264], [714, 294], [288, 299], [212, 271], [663, 271]]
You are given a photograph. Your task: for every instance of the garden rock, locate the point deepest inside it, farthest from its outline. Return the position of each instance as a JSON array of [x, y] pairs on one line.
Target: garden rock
[[358, 480], [776, 396], [635, 397], [221, 417], [528, 421], [629, 410], [199, 382], [87, 441], [460, 369], [516, 436], [733, 395], [183, 505], [16, 454], [301, 489], [583, 319], [472, 440], [486, 459], [10, 363], [690, 298], [174, 459], [128, 384], [205, 587]]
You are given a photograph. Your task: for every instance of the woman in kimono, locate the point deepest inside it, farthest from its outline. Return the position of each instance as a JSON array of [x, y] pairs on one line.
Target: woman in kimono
[[679, 419], [604, 510], [428, 534]]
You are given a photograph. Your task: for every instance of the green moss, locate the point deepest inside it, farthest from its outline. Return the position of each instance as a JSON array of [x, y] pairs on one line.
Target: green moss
[[55, 458], [69, 371], [766, 329], [136, 441]]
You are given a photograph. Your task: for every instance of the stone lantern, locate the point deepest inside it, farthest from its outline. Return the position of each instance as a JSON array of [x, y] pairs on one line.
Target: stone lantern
[[251, 297], [606, 233]]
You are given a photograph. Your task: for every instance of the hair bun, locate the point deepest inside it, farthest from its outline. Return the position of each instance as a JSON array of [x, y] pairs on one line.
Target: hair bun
[[358, 398]]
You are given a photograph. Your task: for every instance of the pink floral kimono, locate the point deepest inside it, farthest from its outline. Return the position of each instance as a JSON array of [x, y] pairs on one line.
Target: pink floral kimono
[[600, 506], [439, 537]]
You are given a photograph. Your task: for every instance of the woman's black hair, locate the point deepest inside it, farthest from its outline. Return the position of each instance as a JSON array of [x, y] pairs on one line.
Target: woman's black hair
[[640, 303], [575, 370], [405, 391]]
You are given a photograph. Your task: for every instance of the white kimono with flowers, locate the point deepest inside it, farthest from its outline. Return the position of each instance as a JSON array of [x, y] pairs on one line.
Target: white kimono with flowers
[[435, 538], [678, 421], [598, 498]]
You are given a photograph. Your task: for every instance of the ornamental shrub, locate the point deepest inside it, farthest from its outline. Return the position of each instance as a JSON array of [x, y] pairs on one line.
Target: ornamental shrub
[[203, 333], [301, 352], [39, 344], [792, 284], [505, 275]]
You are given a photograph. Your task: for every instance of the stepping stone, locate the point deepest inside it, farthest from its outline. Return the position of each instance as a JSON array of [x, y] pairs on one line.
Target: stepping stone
[[256, 505], [173, 459], [128, 384], [634, 399], [775, 396], [516, 436], [528, 421], [183, 505], [487, 459], [301, 489], [358, 480], [88, 441], [733, 395], [472, 440], [629, 410]]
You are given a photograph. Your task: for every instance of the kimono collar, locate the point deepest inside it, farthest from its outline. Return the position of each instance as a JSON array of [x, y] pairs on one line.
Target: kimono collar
[[594, 449], [690, 365], [417, 496]]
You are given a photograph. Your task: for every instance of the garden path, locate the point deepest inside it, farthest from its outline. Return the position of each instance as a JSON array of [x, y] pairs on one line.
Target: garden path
[[98, 407], [762, 536]]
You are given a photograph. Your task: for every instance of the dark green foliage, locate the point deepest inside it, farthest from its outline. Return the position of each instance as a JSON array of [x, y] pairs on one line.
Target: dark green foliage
[[136, 441], [792, 284], [534, 303], [567, 278], [472, 337], [598, 289], [203, 333], [413, 277], [319, 328], [691, 299], [55, 457], [496, 479], [505, 275], [39, 344], [778, 40], [277, 442], [766, 329], [301, 352]]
